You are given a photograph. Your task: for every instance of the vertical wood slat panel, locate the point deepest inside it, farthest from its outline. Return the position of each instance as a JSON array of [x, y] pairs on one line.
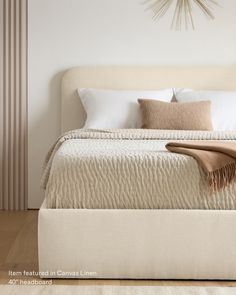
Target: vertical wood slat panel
[[13, 104], [1, 101]]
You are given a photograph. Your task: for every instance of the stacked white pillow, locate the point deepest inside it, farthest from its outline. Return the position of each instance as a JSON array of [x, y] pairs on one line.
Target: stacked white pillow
[[223, 105], [116, 109]]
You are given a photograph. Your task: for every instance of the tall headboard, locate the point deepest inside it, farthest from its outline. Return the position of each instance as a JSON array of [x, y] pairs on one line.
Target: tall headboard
[[136, 78]]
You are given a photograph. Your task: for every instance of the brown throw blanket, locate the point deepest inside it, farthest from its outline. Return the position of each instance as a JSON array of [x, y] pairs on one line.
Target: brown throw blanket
[[218, 159]]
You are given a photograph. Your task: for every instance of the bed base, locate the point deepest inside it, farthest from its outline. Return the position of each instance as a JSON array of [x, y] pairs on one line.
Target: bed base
[[137, 244]]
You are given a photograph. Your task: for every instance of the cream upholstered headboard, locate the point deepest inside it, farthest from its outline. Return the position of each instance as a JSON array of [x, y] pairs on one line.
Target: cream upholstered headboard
[[136, 78]]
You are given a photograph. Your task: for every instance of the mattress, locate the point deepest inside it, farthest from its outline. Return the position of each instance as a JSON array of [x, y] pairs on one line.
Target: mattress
[[130, 169]]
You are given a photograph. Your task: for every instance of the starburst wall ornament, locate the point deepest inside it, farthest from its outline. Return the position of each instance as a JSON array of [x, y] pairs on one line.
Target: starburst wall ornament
[[183, 14]]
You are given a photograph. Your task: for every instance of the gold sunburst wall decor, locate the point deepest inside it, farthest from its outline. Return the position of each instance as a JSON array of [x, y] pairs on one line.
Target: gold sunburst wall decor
[[183, 13]]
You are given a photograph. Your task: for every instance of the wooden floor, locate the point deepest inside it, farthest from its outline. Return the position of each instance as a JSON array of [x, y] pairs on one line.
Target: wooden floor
[[18, 252]]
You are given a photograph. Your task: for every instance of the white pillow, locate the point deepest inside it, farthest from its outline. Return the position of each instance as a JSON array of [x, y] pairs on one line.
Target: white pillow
[[116, 109], [223, 105]]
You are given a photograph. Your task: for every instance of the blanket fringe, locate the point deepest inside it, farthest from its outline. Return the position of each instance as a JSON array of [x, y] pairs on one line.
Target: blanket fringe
[[222, 177]]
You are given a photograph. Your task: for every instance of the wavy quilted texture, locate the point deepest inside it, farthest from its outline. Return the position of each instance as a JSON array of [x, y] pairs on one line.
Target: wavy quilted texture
[[130, 169]]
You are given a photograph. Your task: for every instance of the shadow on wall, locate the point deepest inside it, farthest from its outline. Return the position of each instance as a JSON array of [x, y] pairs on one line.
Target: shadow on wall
[[42, 133]]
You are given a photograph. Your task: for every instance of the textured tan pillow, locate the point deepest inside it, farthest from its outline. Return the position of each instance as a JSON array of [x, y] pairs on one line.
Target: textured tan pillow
[[175, 116]]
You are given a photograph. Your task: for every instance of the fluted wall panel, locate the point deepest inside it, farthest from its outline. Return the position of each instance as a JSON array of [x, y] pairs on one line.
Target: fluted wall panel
[[13, 104]]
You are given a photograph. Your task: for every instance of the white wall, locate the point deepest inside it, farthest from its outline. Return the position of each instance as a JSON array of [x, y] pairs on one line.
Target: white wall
[[66, 33]]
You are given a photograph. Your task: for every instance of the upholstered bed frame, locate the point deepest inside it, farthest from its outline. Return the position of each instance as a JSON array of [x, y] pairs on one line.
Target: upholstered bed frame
[[137, 244]]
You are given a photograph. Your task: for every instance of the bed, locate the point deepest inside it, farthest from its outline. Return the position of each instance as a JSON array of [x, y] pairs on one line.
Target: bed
[[136, 243]]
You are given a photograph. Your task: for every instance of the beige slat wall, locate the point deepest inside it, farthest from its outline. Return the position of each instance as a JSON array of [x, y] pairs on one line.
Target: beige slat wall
[[13, 104]]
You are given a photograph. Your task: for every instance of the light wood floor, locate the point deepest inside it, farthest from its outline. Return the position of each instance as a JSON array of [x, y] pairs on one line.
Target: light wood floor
[[18, 252]]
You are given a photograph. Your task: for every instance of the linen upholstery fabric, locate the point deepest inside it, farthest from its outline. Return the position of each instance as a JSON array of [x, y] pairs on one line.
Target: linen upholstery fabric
[[130, 169], [218, 159], [223, 105], [138, 244], [116, 108], [176, 116], [135, 78]]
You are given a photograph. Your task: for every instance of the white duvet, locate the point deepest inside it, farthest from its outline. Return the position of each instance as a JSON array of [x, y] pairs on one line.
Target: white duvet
[[130, 169]]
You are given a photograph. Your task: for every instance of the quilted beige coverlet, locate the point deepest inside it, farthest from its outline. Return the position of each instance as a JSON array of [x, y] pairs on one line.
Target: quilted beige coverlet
[[130, 169]]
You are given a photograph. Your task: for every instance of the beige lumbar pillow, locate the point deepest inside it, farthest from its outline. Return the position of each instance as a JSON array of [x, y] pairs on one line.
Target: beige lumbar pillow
[[175, 116]]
